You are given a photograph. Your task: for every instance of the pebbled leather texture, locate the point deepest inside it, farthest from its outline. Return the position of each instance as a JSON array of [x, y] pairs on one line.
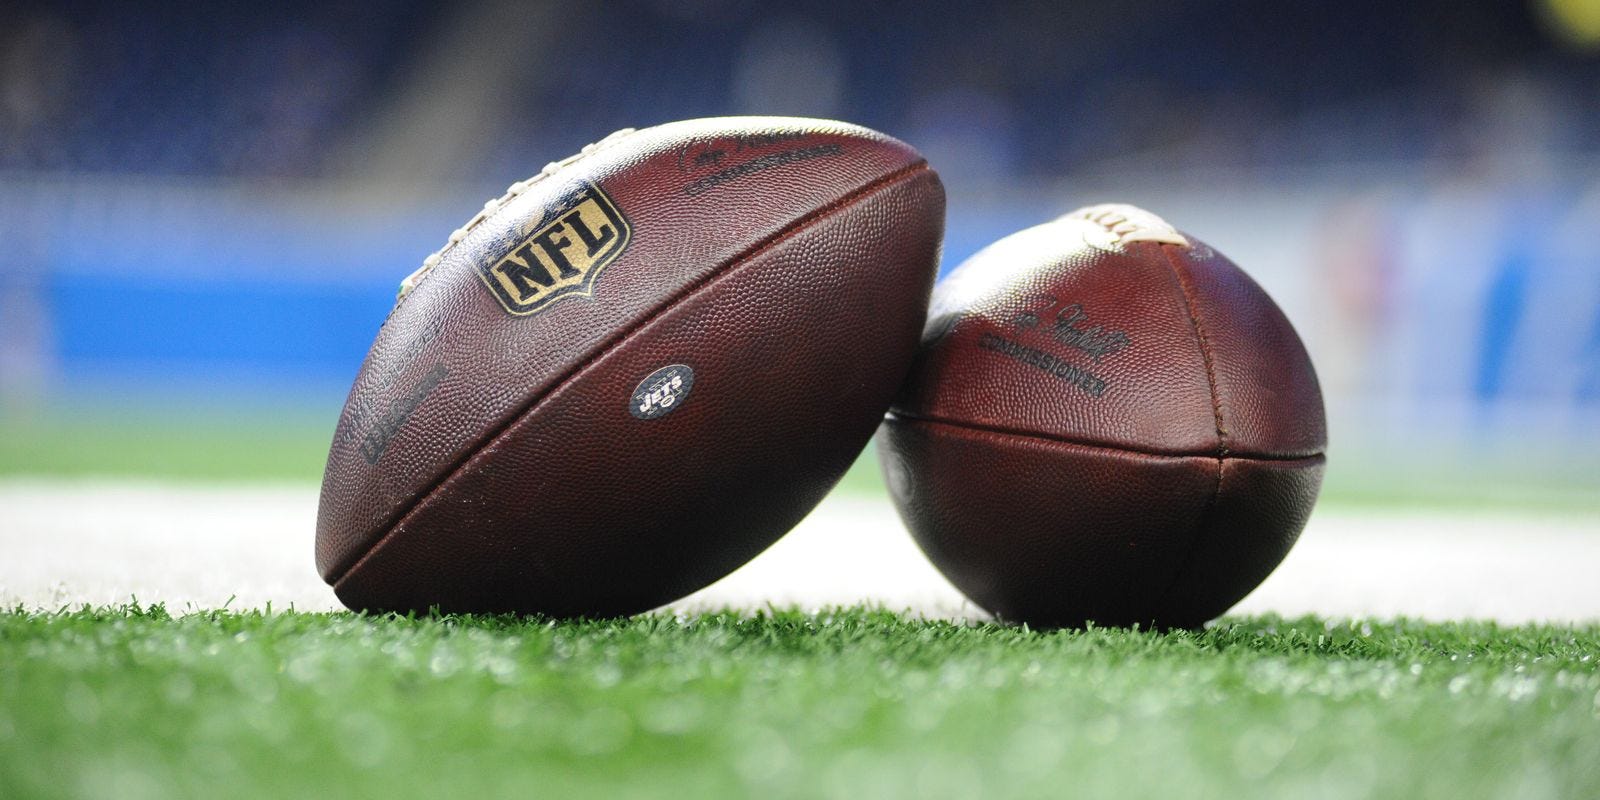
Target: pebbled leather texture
[[786, 262], [1104, 427]]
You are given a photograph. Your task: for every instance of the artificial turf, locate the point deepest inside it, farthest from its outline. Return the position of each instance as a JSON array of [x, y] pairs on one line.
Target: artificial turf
[[135, 702]]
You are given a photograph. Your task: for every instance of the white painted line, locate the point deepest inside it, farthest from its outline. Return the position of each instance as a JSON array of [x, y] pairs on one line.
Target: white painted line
[[67, 543]]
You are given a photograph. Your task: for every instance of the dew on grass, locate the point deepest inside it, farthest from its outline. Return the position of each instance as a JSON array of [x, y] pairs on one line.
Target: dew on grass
[[444, 662], [1516, 689], [607, 674], [502, 668], [996, 677], [787, 706]]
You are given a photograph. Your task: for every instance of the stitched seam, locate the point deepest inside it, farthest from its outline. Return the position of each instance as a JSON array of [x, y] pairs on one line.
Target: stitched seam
[[1053, 439], [1205, 348], [474, 452], [1187, 291], [492, 208]]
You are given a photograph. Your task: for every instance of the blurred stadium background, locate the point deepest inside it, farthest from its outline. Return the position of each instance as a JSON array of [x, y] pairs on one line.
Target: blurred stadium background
[[205, 209]]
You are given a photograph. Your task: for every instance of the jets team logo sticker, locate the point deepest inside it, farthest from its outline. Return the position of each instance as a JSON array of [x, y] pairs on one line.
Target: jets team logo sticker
[[563, 254], [661, 392]]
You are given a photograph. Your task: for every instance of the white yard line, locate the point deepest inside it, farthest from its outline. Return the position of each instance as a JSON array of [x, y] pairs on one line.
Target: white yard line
[[69, 543]]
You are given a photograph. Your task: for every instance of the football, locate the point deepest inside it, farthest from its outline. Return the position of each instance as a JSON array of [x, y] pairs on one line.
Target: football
[[1108, 422], [633, 372]]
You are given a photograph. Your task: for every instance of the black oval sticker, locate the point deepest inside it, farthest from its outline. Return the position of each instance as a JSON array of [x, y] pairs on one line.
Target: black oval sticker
[[661, 392]]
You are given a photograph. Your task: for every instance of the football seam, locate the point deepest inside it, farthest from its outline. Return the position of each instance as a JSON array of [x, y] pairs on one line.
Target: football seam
[[493, 207], [1184, 288], [1088, 445], [1182, 566], [476, 450], [1204, 342]]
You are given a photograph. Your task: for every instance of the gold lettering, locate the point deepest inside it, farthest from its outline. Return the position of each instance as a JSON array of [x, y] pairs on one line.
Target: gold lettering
[[563, 257]]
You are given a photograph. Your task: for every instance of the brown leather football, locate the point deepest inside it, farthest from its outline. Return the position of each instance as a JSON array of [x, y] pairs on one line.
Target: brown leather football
[[633, 372], [1108, 422]]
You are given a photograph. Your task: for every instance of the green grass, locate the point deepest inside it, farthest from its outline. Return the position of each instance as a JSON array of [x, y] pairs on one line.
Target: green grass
[[851, 703], [156, 446]]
